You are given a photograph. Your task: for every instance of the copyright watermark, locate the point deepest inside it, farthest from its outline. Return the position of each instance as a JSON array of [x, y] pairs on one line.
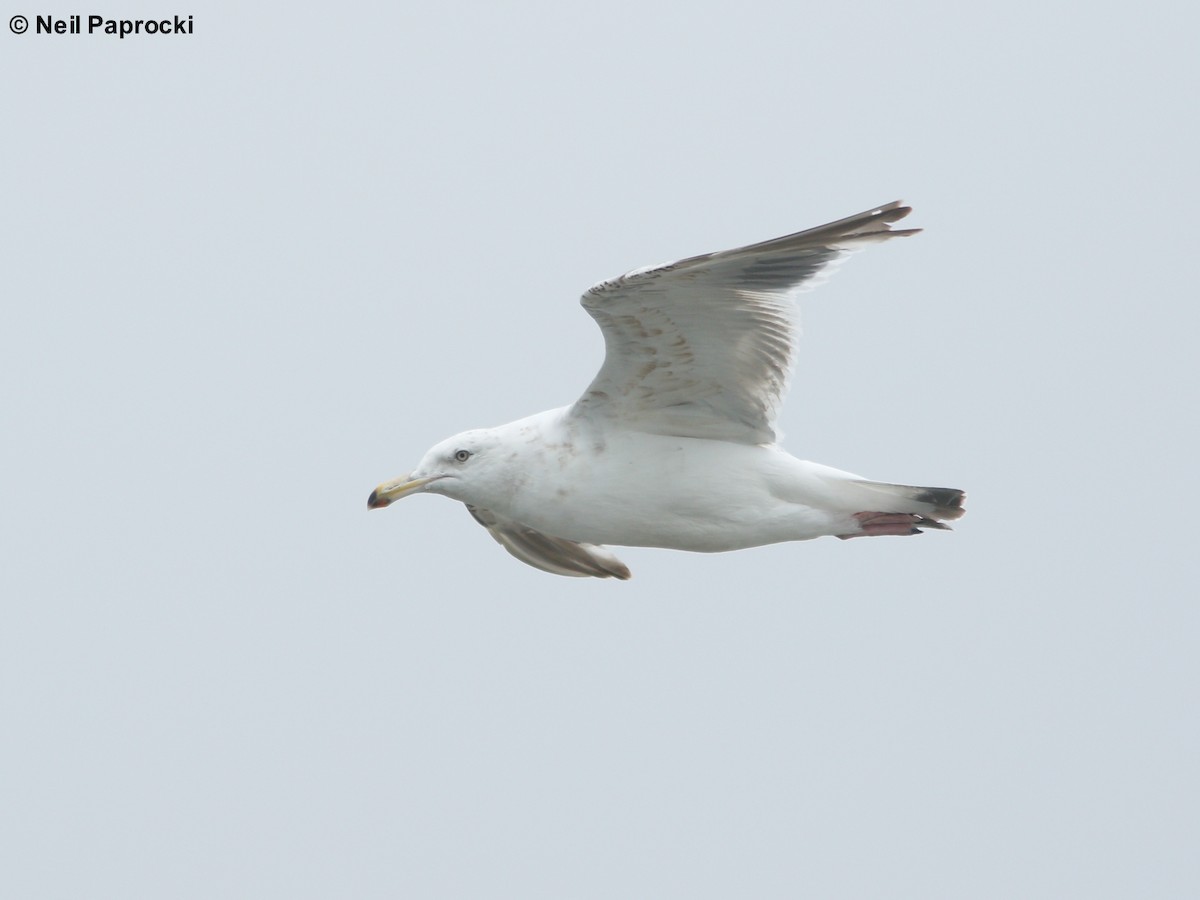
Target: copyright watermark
[[119, 28]]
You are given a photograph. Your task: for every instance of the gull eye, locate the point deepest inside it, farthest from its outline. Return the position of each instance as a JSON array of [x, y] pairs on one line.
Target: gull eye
[[462, 455]]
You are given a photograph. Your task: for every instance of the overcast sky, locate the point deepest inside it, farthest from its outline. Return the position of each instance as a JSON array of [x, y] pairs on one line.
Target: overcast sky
[[251, 272]]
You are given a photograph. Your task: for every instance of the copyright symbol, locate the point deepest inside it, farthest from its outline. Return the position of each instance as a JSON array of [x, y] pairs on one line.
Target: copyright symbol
[[18, 24]]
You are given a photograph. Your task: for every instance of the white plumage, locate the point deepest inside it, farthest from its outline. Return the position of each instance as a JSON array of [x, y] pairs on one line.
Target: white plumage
[[673, 443]]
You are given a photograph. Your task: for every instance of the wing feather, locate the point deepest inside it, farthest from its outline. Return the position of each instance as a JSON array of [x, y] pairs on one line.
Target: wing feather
[[557, 556], [704, 347]]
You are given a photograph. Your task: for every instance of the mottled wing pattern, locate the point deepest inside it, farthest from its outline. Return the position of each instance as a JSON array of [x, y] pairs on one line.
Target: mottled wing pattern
[[704, 347], [550, 554]]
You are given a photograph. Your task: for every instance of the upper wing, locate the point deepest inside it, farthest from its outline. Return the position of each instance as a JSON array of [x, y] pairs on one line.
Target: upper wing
[[557, 556], [704, 347]]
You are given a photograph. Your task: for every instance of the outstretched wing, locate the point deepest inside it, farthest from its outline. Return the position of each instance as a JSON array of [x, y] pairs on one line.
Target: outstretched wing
[[704, 347], [550, 554]]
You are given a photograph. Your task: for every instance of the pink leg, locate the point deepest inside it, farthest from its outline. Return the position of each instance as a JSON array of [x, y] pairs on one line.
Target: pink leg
[[875, 523]]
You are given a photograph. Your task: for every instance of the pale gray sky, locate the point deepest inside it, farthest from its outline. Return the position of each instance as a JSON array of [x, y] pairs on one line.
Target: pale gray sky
[[252, 272]]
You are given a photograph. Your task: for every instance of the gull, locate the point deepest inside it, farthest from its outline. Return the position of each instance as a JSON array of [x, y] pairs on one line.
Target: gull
[[674, 443]]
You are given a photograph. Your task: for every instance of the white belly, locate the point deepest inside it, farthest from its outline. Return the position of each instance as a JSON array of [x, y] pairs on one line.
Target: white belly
[[647, 490]]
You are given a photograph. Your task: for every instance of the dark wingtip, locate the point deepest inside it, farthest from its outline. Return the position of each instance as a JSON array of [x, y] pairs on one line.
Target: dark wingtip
[[949, 501]]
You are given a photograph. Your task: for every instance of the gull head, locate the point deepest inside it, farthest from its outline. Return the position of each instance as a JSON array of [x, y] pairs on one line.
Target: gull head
[[464, 467]]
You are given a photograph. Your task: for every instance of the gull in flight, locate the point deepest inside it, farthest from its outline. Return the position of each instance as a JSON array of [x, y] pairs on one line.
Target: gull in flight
[[673, 444]]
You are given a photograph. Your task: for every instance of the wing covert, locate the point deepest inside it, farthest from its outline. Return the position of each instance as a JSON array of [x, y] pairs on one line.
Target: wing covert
[[704, 347]]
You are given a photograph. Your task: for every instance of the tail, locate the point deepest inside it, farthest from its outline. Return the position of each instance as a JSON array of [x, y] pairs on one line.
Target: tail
[[933, 505]]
